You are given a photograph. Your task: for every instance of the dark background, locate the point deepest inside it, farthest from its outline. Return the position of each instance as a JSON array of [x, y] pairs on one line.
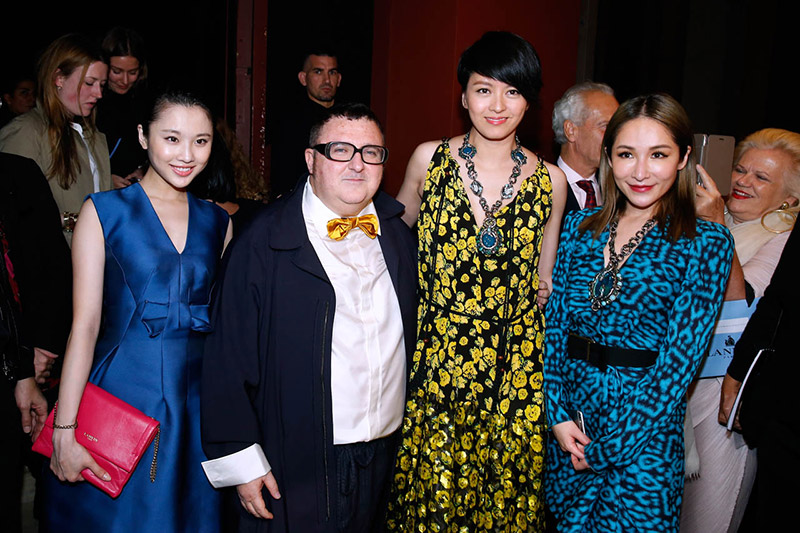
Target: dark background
[[732, 63]]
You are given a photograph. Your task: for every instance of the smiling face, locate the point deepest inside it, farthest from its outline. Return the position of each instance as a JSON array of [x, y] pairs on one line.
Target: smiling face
[[495, 107], [758, 184], [345, 187], [80, 96], [645, 161], [123, 73], [320, 76], [178, 143]]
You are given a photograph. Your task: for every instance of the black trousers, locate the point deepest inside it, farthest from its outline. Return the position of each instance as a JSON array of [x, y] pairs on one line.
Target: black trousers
[[365, 477]]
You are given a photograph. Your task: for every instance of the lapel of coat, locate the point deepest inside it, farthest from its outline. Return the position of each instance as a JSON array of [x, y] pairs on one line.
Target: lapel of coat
[[398, 252], [388, 208], [289, 233]]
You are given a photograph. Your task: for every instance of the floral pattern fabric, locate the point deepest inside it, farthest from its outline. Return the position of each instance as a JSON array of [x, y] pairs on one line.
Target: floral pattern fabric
[[472, 452]]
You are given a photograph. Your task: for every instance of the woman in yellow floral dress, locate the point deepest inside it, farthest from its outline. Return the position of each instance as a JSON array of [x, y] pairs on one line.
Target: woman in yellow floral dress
[[488, 213]]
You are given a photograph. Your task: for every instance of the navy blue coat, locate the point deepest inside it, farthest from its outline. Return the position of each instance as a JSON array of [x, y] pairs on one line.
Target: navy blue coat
[[266, 372]]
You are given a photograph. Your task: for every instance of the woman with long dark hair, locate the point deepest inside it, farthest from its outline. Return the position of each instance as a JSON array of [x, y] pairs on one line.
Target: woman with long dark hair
[[637, 287]]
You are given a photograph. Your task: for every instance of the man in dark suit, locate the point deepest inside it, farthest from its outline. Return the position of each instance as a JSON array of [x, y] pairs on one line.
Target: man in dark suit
[[35, 284], [304, 374], [579, 122]]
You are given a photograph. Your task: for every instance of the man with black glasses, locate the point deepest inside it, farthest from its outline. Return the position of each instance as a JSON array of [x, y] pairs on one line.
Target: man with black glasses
[[305, 372]]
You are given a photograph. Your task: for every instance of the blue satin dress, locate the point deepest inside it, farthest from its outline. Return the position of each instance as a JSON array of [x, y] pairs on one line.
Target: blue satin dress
[[155, 315]]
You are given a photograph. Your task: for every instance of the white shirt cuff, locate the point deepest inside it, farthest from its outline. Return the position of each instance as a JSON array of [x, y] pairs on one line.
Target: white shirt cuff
[[237, 468]]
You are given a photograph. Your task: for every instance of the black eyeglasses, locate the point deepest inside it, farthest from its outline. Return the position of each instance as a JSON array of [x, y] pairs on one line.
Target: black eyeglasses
[[343, 152]]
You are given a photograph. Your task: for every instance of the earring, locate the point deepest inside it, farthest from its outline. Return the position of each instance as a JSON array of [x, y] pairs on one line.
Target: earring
[[783, 219]]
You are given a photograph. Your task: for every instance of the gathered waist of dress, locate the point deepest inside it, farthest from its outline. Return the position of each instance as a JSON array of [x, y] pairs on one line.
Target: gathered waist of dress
[[490, 315]]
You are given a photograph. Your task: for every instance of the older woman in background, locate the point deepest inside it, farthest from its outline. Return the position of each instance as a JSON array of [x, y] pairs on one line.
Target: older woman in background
[[760, 211], [59, 133]]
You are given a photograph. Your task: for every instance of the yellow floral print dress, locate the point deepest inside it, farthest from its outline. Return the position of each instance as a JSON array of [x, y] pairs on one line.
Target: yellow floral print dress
[[472, 452]]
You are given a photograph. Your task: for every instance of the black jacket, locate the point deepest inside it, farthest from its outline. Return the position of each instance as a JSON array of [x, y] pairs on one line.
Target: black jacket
[[267, 365], [38, 252]]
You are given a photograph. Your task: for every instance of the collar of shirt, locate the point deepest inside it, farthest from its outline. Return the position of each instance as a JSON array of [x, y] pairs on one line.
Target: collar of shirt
[[317, 214], [572, 176]]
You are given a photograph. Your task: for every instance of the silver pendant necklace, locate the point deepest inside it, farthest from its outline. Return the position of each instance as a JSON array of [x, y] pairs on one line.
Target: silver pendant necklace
[[606, 285], [490, 237]]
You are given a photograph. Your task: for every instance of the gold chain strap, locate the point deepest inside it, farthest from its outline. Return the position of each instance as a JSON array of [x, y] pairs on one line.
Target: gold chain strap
[[154, 464]]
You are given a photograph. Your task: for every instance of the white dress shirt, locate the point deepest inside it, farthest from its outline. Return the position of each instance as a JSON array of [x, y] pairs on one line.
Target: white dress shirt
[[92, 162], [368, 359], [573, 178]]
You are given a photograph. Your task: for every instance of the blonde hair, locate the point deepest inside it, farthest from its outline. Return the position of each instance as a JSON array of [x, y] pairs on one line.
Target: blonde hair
[[776, 139], [62, 58]]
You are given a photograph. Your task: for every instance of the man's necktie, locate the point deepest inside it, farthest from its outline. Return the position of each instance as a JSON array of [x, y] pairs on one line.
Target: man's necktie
[[588, 187], [338, 228]]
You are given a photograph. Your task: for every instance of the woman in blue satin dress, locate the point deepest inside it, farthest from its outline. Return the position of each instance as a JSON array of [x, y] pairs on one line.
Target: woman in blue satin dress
[[144, 261]]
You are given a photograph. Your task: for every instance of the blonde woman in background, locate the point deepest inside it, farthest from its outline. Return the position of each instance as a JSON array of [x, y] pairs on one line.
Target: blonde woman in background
[[760, 213], [60, 133]]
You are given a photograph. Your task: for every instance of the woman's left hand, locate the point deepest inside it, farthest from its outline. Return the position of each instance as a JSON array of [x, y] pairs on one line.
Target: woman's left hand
[[573, 441], [543, 294], [709, 204]]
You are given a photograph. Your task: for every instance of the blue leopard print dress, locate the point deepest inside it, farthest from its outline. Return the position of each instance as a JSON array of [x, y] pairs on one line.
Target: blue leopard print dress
[[671, 294]]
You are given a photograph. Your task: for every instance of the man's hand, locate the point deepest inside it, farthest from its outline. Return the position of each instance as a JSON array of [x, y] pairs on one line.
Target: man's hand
[[43, 362], [32, 406], [251, 498]]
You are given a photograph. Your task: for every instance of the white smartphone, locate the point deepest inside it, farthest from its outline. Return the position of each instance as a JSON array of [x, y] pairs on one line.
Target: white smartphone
[[577, 417]]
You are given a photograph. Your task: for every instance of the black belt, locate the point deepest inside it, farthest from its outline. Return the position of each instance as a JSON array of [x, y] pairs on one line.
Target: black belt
[[602, 356]]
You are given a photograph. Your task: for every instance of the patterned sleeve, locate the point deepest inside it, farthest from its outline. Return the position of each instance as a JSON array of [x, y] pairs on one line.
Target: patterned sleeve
[[557, 324], [691, 319]]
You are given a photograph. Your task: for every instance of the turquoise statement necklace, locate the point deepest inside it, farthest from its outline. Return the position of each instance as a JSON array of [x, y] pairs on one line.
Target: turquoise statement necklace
[[490, 238]]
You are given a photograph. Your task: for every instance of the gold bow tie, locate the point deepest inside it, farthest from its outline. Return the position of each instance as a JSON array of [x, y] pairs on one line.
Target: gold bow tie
[[338, 228]]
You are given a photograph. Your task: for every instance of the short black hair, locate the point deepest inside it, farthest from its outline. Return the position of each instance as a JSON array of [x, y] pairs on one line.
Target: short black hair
[[322, 50], [506, 57], [352, 111]]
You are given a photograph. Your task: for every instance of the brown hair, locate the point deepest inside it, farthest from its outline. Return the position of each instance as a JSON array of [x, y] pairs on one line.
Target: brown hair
[[63, 57], [676, 211], [121, 42]]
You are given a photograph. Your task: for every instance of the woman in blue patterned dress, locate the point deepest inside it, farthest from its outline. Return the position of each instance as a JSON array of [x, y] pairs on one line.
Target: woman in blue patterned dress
[[637, 286], [144, 260]]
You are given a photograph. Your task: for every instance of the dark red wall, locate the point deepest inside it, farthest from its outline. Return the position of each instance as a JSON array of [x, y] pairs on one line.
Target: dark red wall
[[416, 47]]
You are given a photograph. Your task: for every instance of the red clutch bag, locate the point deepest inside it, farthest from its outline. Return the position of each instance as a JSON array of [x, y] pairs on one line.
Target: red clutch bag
[[115, 434]]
